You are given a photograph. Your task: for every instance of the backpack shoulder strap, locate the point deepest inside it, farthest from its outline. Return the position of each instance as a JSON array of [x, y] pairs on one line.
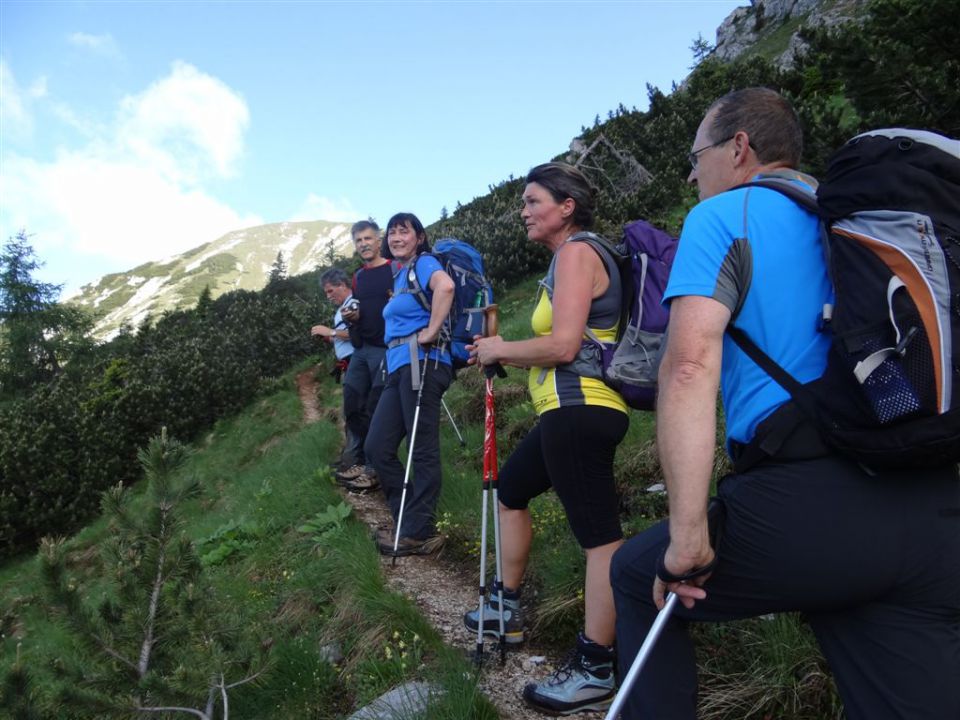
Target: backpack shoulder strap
[[615, 263], [603, 247], [413, 283], [807, 199]]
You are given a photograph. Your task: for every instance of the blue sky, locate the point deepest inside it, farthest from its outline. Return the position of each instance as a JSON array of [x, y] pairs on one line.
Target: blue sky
[[131, 131]]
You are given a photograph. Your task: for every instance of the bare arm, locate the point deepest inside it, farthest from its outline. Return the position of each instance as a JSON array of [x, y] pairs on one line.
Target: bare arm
[[686, 434], [441, 285], [579, 278], [329, 333]]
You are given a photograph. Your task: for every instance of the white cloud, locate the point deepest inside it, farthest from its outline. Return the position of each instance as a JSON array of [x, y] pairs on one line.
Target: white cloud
[[317, 207], [113, 208], [14, 112], [98, 44], [185, 125], [134, 191]]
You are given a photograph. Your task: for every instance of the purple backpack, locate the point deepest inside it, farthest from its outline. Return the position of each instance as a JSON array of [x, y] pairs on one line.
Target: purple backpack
[[630, 365]]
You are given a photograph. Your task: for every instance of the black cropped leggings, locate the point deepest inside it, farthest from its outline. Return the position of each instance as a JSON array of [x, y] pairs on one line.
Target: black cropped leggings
[[571, 450]]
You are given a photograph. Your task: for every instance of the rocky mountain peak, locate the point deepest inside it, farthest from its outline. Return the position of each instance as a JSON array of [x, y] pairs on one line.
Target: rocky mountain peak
[[746, 28]]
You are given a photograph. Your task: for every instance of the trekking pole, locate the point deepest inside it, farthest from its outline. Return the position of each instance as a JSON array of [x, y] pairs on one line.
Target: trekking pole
[[453, 422], [492, 327], [411, 441], [716, 515], [640, 660], [478, 656], [490, 481]]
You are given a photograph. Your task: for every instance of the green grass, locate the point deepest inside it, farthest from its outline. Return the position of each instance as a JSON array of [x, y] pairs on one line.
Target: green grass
[[751, 666], [265, 473], [772, 44]]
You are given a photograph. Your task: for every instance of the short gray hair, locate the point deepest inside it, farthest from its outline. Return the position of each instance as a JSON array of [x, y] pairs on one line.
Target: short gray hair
[[334, 276], [768, 119]]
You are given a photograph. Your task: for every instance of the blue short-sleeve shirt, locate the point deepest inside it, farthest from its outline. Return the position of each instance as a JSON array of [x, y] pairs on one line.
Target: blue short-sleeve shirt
[[759, 254], [403, 315]]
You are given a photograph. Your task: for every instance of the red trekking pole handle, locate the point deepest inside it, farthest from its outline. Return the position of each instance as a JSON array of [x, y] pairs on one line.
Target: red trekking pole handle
[[491, 324]]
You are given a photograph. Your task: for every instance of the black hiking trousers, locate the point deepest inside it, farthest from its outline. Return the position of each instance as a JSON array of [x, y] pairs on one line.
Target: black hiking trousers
[[873, 563], [392, 422], [362, 386]]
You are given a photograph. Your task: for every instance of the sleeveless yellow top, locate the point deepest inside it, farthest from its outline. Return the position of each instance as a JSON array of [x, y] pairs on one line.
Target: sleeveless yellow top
[[565, 386]]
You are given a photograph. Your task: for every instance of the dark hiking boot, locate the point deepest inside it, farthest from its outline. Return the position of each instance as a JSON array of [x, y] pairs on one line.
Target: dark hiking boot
[[583, 681], [408, 546], [350, 473], [512, 619], [361, 484]]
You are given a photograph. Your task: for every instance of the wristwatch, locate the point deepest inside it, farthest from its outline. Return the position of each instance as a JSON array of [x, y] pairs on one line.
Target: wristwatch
[[333, 333]]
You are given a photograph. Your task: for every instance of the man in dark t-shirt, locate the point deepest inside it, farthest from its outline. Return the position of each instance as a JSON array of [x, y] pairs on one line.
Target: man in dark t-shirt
[[363, 383]]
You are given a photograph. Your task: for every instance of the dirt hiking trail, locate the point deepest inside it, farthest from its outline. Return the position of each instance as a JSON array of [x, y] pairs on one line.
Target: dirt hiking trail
[[443, 590]]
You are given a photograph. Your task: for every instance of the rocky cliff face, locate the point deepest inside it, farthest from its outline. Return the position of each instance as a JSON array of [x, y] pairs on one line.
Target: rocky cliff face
[[769, 27]]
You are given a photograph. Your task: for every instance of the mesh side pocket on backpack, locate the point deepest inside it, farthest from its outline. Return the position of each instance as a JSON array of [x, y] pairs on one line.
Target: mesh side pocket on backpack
[[902, 385], [637, 358], [890, 393]]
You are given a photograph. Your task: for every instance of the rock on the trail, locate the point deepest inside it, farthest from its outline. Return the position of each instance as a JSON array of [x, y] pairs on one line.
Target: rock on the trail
[[532, 662], [404, 701]]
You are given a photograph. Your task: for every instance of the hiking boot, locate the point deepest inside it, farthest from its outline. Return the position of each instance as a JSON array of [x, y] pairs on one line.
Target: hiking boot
[[512, 619], [583, 681], [361, 484], [408, 546], [352, 472]]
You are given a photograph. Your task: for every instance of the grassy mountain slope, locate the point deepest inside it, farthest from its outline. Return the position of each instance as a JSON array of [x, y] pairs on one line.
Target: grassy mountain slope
[[239, 260], [263, 475]]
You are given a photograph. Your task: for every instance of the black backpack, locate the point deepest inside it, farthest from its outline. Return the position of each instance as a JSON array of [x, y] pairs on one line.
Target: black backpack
[[890, 211]]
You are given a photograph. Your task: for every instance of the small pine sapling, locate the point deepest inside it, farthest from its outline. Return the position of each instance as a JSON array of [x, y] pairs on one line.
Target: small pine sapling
[[158, 641]]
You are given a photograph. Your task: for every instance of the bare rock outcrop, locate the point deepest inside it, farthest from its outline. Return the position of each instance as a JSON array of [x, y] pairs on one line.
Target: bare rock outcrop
[[748, 25]]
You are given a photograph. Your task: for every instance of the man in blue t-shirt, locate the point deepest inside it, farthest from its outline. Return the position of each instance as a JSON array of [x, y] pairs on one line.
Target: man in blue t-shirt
[[872, 560]]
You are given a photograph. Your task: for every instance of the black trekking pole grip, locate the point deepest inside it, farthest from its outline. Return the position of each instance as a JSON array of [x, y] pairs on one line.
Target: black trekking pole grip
[[491, 326]]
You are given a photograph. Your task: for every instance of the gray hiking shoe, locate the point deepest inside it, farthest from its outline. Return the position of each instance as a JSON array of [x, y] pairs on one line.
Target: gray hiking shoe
[[577, 685], [512, 619]]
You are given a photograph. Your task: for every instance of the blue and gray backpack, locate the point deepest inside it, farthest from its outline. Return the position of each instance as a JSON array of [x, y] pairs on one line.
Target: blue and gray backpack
[[472, 293]]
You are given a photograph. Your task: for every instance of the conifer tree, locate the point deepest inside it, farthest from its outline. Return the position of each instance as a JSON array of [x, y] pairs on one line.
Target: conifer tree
[[279, 269], [159, 642], [17, 697], [701, 49], [36, 334], [204, 302]]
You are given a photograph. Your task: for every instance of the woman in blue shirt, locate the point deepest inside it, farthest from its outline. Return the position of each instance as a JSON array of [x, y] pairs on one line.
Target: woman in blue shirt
[[414, 356]]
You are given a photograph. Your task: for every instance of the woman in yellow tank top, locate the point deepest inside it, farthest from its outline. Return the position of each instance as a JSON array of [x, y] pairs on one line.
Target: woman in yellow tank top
[[571, 448]]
